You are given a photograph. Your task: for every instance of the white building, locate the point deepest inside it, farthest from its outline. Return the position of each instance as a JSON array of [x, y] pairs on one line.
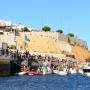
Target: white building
[[4, 24], [17, 27], [8, 26]]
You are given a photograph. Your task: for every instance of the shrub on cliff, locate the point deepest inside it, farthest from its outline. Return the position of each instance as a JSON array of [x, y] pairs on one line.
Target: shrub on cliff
[[25, 29], [71, 34], [1, 33], [59, 31], [46, 28], [87, 59], [12, 47]]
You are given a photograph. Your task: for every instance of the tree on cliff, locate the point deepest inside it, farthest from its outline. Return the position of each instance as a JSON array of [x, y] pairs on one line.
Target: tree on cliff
[[70, 34], [87, 59], [46, 28], [25, 29], [59, 31]]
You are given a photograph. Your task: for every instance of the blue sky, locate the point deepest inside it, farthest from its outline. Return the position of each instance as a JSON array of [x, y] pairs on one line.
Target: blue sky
[[69, 15]]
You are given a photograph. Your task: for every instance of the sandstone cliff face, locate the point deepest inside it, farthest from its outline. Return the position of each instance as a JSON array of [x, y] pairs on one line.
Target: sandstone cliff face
[[49, 44], [80, 53], [44, 43], [39, 43]]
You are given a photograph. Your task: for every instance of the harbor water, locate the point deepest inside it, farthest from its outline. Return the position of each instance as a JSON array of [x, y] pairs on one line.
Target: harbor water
[[45, 82]]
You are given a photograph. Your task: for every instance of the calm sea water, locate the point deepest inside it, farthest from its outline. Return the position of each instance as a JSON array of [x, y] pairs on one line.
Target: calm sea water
[[45, 82]]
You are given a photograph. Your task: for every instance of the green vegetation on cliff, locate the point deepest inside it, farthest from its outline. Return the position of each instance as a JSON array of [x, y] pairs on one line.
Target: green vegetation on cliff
[[46, 28], [59, 31]]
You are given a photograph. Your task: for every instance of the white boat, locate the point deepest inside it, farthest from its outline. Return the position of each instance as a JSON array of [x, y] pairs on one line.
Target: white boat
[[86, 69], [46, 69], [62, 73], [80, 71], [72, 71], [21, 73]]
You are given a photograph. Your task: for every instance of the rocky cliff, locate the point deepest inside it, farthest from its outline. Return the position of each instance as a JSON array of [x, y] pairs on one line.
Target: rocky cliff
[[47, 43]]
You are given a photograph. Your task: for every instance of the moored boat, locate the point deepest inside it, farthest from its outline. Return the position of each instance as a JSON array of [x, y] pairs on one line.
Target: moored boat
[[80, 71], [86, 69], [29, 72], [72, 71], [21, 73], [62, 73], [45, 68]]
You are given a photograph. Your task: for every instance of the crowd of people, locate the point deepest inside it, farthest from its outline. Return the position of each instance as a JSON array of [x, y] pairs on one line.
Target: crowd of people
[[33, 61]]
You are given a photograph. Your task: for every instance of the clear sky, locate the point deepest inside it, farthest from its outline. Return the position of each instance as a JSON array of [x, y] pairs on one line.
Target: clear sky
[[69, 15]]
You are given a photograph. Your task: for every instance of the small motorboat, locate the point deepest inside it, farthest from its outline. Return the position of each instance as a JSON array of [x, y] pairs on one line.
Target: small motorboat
[[45, 68], [80, 71], [86, 69], [62, 73], [72, 71], [21, 73], [44, 72]]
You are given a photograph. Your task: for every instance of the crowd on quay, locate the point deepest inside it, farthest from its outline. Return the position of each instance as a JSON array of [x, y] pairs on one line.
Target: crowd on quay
[[30, 61]]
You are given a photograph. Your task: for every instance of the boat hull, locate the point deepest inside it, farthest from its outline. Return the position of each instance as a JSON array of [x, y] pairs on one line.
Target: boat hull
[[72, 71], [86, 70], [87, 74], [21, 73], [28, 72], [62, 73]]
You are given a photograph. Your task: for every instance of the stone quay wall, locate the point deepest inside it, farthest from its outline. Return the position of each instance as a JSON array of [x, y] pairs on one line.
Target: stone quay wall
[[4, 65]]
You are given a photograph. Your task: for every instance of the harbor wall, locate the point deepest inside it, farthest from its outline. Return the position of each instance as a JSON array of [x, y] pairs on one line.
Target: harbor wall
[[4, 66]]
